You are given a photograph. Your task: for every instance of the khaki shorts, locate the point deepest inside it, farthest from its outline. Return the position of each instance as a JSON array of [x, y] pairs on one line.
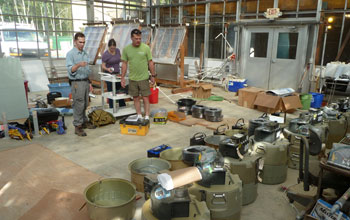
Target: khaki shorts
[[137, 88]]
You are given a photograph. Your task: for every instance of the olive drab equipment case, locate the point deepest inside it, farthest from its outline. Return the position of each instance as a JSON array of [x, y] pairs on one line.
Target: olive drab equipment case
[[100, 117]]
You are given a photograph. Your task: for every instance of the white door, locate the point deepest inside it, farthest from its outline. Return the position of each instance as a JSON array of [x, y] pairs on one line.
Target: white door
[[273, 57]]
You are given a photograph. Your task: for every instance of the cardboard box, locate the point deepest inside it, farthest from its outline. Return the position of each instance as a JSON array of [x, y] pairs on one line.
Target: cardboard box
[[201, 90], [247, 96], [62, 102], [271, 104]]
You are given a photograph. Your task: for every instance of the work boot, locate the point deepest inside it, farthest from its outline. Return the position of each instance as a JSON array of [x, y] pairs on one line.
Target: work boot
[[79, 131], [88, 125]]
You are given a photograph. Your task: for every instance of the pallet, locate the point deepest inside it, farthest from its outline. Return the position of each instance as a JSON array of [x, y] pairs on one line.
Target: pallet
[[190, 121], [97, 84]]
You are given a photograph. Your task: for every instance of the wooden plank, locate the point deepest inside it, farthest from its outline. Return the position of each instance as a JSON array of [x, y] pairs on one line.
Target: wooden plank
[[180, 90], [190, 121], [182, 66], [57, 205], [30, 172], [343, 46]]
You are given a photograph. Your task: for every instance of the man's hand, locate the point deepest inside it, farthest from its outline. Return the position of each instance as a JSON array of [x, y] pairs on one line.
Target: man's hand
[[122, 82], [91, 88], [82, 64], [153, 80], [110, 70]]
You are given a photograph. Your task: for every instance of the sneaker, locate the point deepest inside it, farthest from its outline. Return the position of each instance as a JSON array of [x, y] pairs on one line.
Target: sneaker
[[146, 119], [140, 119], [79, 131]]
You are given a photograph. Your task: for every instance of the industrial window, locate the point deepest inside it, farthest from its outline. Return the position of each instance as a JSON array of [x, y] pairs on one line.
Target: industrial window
[[258, 44], [287, 45]]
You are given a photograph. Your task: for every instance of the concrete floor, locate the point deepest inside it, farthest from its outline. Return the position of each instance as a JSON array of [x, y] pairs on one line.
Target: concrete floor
[[107, 152]]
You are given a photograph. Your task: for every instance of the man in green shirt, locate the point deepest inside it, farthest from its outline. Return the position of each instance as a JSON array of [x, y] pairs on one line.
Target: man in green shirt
[[138, 56]]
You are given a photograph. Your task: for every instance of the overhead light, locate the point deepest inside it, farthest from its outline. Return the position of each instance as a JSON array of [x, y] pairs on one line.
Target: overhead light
[[330, 20], [187, 24], [329, 27], [195, 22], [141, 20], [347, 15]]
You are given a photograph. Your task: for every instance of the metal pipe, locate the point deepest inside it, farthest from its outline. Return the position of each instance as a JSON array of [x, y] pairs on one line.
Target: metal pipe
[[306, 169], [342, 26], [6, 127], [324, 48], [48, 39], [298, 5], [206, 35], [36, 124]]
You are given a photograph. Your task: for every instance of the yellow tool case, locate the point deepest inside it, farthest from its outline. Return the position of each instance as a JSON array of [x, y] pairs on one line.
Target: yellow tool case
[[134, 127]]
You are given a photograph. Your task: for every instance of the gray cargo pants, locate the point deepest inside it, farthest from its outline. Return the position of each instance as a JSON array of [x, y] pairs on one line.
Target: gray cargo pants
[[80, 95]]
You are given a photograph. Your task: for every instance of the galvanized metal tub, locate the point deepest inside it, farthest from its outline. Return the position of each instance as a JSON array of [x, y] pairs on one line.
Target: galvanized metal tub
[[141, 167], [174, 156], [214, 140], [111, 198]]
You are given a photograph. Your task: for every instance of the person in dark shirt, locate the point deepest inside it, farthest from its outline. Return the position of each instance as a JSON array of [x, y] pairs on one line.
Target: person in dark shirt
[[110, 64]]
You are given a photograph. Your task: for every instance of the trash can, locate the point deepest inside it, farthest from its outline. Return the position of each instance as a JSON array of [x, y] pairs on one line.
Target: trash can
[[317, 99], [306, 100]]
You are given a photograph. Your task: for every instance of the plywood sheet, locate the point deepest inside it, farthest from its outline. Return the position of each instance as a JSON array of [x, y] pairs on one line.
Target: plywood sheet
[[28, 173], [190, 121], [12, 93], [34, 71], [58, 205]]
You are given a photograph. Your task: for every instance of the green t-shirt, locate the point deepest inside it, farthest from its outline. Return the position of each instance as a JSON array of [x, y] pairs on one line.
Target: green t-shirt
[[138, 58]]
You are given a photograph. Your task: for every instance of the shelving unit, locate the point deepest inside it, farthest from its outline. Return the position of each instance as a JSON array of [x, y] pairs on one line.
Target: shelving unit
[[116, 111]]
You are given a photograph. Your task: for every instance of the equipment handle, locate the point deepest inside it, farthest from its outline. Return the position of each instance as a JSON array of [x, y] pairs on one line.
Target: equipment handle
[[240, 119], [262, 148], [199, 135], [264, 115], [219, 199], [226, 127]]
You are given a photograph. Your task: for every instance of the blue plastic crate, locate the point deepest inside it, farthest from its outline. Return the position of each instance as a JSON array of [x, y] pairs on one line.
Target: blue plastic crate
[[234, 86], [63, 88], [317, 99]]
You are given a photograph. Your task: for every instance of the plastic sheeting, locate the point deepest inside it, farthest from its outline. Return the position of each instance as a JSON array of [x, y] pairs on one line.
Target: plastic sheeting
[[337, 70], [34, 71], [166, 44], [93, 38], [12, 94], [146, 35], [121, 34]]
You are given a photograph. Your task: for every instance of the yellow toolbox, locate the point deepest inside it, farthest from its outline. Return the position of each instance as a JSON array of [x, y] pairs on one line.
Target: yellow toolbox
[[134, 127]]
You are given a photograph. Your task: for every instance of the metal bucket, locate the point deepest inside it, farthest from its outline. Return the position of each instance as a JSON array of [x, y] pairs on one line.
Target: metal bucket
[[140, 167], [174, 156], [111, 199]]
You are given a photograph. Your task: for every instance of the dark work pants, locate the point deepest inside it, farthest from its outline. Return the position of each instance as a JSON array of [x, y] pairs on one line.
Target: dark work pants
[[80, 95], [117, 87]]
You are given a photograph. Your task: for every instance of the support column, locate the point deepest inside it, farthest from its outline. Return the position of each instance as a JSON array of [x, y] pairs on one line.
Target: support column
[[206, 34], [90, 11], [180, 12], [149, 12]]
